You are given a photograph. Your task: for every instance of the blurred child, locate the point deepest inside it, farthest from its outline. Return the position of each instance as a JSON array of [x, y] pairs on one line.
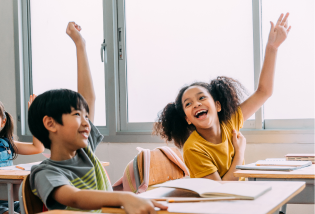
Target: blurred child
[[9, 148]]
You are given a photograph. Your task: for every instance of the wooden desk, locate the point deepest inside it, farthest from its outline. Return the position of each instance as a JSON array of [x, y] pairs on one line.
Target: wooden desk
[[62, 212], [306, 174], [270, 202], [10, 181]]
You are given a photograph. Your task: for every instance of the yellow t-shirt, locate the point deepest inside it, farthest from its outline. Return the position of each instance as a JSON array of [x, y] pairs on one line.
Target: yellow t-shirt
[[204, 158]]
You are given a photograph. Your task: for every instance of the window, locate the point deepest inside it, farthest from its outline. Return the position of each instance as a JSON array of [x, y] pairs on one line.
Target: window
[[176, 44], [153, 48], [294, 78]]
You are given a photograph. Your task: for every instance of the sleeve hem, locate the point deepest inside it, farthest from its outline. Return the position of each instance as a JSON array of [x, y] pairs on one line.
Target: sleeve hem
[[205, 173]]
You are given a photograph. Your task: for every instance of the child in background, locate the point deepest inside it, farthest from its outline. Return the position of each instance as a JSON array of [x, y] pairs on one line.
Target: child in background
[[9, 148], [205, 118], [73, 178]]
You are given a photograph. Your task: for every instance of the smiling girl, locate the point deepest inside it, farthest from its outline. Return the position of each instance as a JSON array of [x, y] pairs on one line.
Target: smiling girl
[[205, 119]]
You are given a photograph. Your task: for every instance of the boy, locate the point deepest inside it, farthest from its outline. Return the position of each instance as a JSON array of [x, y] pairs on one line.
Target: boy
[[63, 121]]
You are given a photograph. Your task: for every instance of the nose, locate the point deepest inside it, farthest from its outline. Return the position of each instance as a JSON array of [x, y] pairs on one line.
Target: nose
[[85, 121], [197, 104]]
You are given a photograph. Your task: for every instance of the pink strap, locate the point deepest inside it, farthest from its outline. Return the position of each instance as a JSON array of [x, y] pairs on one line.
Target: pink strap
[[146, 170], [174, 157]]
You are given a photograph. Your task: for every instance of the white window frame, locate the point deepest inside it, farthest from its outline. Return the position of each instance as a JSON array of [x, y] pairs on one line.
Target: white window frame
[[117, 127]]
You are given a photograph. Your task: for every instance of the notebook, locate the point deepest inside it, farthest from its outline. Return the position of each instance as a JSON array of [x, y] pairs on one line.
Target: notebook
[[208, 188], [253, 166], [301, 157], [283, 163]]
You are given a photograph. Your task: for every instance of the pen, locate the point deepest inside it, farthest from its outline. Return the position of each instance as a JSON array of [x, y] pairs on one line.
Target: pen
[[19, 167]]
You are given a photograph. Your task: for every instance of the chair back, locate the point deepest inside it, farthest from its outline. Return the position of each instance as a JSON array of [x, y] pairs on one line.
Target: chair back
[[29, 202]]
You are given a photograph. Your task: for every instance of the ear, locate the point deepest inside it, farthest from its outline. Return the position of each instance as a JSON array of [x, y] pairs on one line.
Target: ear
[[218, 106], [188, 121], [50, 124]]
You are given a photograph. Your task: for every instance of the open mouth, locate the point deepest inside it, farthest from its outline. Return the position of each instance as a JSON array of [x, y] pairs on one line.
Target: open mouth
[[84, 133], [201, 113]]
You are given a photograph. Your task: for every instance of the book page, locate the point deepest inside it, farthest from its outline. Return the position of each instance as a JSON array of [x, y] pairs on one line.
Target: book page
[[250, 191], [198, 185]]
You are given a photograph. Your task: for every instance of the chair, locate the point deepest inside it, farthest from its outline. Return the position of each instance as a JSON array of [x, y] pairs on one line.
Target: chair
[[29, 203]]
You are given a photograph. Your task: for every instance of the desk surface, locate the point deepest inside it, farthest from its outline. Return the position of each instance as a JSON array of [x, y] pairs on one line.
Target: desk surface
[[304, 173], [269, 202], [20, 174], [62, 212]]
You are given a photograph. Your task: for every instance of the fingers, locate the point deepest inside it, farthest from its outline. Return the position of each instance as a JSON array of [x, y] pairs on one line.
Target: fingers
[[280, 19], [272, 28], [234, 135], [288, 30], [159, 205], [284, 20]]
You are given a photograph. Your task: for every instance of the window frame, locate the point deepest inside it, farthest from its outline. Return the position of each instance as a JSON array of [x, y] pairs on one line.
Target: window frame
[[117, 128]]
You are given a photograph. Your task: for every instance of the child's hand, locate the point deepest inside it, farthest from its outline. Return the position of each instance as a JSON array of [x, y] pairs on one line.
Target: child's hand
[[135, 204], [73, 30], [279, 32], [239, 142], [32, 98]]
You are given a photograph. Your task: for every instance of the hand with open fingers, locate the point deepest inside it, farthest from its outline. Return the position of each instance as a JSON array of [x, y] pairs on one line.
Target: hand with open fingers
[[32, 98], [279, 32], [136, 205], [239, 142], [73, 30]]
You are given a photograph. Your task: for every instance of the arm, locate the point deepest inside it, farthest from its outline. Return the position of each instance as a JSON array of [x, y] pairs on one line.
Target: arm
[[27, 148], [85, 83], [264, 90], [94, 199], [239, 143]]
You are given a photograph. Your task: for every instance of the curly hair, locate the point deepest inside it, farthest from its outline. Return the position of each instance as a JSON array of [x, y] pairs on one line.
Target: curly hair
[[171, 123]]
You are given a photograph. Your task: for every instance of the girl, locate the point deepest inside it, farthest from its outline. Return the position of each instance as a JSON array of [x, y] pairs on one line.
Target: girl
[[205, 118], [9, 149]]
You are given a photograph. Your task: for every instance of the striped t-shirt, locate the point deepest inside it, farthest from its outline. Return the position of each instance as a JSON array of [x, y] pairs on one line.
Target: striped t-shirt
[[84, 171]]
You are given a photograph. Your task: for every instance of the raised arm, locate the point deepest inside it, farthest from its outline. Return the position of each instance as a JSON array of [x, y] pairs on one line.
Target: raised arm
[[278, 33], [27, 148], [85, 83]]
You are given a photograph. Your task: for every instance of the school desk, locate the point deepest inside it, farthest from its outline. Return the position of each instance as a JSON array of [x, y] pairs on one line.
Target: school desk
[[270, 202], [10, 181], [306, 174], [62, 212]]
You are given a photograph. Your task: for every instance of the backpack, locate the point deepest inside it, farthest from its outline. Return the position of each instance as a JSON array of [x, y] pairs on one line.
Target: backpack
[[151, 167], [5, 153]]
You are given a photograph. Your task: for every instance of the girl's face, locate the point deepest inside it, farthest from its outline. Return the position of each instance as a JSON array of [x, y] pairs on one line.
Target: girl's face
[[200, 108], [2, 123]]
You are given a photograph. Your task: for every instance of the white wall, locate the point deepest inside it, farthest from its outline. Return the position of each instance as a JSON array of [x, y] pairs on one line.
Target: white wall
[[119, 154]]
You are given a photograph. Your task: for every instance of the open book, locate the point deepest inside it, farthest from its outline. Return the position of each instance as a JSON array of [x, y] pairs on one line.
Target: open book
[[208, 188]]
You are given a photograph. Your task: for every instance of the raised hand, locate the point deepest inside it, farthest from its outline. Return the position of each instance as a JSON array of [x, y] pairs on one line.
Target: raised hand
[[32, 98], [279, 32], [73, 30]]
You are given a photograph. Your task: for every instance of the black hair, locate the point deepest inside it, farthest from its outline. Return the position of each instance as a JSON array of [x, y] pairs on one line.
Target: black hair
[[171, 123], [53, 103], [7, 130]]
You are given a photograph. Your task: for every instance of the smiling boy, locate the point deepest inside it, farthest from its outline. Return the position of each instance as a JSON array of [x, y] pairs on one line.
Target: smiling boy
[[73, 176]]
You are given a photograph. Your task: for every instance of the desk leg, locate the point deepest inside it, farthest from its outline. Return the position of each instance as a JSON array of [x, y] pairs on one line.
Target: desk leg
[[284, 209], [10, 198]]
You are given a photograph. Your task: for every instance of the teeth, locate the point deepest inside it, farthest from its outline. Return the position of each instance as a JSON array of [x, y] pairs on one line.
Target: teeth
[[198, 112]]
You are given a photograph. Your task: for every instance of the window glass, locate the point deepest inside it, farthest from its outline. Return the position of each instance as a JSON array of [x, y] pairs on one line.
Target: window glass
[[293, 95], [170, 44], [54, 62]]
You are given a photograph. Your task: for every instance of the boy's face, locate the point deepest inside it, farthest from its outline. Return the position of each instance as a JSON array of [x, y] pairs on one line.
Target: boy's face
[[75, 129]]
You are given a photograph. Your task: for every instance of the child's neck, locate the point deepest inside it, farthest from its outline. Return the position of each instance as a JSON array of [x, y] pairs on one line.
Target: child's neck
[[60, 153], [212, 134]]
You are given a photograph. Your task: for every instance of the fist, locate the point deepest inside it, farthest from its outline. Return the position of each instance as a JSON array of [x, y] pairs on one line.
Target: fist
[[73, 30], [239, 142]]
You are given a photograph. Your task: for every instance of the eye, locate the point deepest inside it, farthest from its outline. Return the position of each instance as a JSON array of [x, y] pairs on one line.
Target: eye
[[78, 114], [202, 97], [187, 104]]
